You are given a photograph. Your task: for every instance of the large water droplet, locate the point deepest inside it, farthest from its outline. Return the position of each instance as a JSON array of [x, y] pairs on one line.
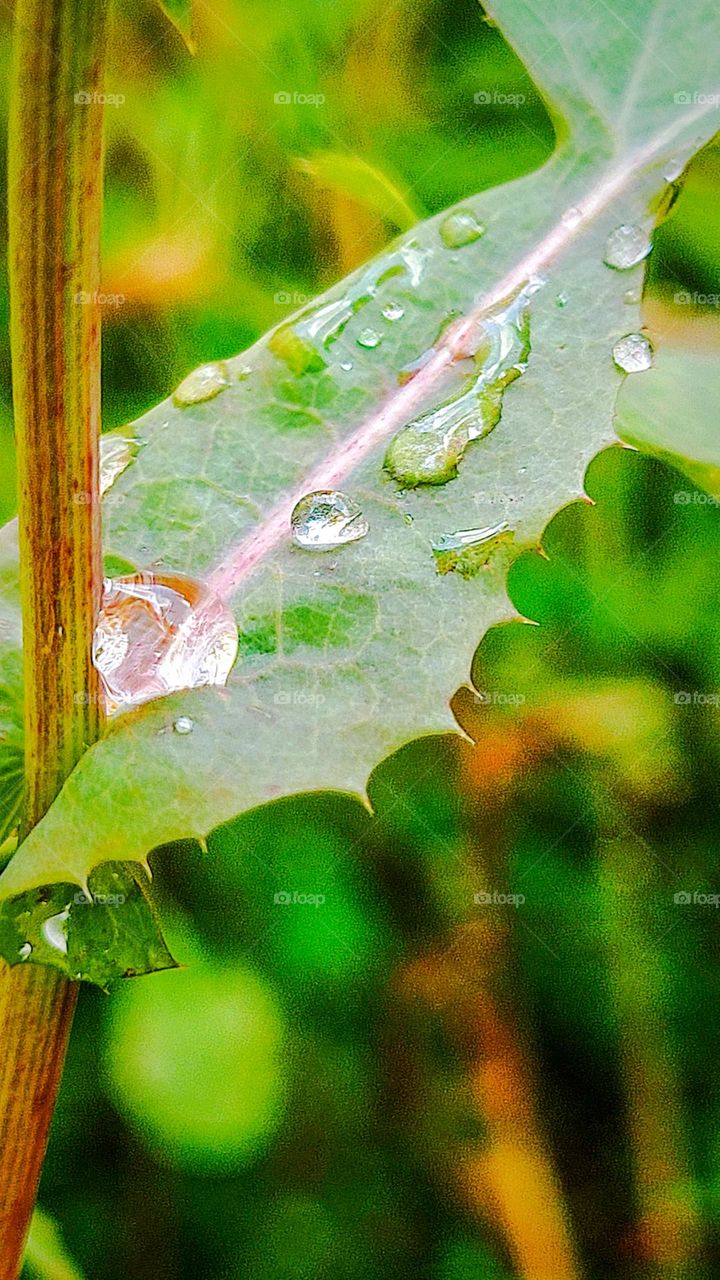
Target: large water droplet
[[393, 311], [327, 519], [54, 931], [202, 384], [460, 228], [467, 550], [626, 246], [633, 353], [369, 338], [116, 454], [428, 449], [158, 634]]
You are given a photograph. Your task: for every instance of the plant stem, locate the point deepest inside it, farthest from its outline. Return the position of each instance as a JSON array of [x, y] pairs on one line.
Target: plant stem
[[55, 197]]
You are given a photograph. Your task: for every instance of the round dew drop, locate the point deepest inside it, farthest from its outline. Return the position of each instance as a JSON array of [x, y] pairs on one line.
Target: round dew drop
[[626, 246], [393, 311], [460, 228], [633, 353], [327, 519], [202, 384], [369, 338]]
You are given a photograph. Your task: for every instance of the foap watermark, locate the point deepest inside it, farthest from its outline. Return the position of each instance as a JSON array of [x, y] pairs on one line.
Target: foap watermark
[[694, 98], [298, 698], [496, 97], [83, 899], [696, 698], [85, 99], [286, 99], [83, 298], [687, 899], [295, 899], [494, 898], [499, 698], [286, 298], [694, 498], [684, 298]]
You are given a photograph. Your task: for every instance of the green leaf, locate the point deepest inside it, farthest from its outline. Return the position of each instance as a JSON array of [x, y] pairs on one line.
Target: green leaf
[[107, 932], [180, 13], [352, 176], [345, 656]]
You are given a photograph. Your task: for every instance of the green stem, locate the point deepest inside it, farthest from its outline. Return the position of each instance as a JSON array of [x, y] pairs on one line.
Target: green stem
[[55, 197]]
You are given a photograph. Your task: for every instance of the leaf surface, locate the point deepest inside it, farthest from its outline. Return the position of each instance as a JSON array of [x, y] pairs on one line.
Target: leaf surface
[[345, 656]]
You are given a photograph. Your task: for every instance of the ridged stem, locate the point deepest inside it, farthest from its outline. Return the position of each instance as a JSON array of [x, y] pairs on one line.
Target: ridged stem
[[55, 198]]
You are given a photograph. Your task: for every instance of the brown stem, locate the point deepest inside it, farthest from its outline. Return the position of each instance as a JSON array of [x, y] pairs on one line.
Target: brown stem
[[55, 196]]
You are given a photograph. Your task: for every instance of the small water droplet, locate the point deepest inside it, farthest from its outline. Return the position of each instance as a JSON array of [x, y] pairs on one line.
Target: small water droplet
[[393, 311], [202, 384], [467, 550], [25, 951], [184, 725], [633, 353], [672, 170], [428, 449], [632, 297], [369, 338], [561, 300], [244, 372], [408, 518], [116, 454], [325, 520], [460, 228], [626, 246], [346, 365], [158, 634], [572, 217], [54, 931]]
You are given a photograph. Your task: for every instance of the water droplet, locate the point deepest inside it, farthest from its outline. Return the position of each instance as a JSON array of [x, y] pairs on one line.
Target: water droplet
[[54, 931], [346, 365], [116, 454], [626, 246], [184, 725], [672, 170], [327, 519], [369, 338], [428, 449], [25, 951], [202, 384], [460, 228], [562, 299], [158, 634], [572, 217], [244, 372], [468, 550], [393, 311], [632, 297], [633, 353]]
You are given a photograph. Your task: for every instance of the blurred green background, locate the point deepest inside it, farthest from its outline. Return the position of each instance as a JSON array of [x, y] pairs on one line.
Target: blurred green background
[[411, 1077]]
